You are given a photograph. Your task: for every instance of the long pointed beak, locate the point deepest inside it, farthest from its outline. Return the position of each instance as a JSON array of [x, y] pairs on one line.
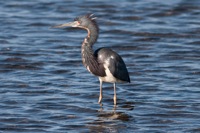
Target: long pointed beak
[[70, 24]]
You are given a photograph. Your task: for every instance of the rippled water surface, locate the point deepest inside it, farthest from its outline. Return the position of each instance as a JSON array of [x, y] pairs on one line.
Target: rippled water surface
[[45, 88]]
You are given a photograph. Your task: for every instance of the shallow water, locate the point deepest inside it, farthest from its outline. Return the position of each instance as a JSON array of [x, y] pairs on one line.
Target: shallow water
[[45, 88]]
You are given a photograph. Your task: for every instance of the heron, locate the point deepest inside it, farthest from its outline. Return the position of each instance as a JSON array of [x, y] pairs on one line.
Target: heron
[[104, 63]]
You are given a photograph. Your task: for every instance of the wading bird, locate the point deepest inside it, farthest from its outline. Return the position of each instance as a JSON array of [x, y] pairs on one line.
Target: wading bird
[[104, 63]]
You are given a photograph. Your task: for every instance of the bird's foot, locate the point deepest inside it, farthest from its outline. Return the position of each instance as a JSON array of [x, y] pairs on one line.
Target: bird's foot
[[114, 108], [99, 102]]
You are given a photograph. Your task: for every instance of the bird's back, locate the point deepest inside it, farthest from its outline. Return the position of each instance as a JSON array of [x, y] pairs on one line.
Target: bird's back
[[114, 63]]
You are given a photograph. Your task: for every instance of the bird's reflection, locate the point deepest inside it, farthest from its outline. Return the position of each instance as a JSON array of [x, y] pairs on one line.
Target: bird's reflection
[[113, 114], [116, 113], [112, 120]]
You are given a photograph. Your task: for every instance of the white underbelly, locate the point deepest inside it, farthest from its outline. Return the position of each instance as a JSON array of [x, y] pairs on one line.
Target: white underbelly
[[109, 77]]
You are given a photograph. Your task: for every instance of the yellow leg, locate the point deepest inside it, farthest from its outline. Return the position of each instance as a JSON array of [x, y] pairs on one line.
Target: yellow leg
[[115, 95], [100, 93]]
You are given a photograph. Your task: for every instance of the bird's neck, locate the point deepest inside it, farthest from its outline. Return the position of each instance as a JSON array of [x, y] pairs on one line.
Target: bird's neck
[[89, 41], [92, 35], [87, 51]]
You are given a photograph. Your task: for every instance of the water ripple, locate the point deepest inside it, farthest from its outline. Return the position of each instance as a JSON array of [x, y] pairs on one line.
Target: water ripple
[[45, 88]]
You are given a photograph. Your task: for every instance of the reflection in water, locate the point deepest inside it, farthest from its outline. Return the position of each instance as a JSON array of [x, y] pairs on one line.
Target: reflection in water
[[107, 120], [113, 116]]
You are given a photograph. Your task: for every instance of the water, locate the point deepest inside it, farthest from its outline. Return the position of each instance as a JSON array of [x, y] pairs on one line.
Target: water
[[45, 88]]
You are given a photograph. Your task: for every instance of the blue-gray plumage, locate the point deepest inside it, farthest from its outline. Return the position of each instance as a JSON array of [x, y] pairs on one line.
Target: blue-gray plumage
[[104, 63]]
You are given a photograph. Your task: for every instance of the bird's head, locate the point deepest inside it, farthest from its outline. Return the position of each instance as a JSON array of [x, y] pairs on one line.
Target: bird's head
[[80, 22]]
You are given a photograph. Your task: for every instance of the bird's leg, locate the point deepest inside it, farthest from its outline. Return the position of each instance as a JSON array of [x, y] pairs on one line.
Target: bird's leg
[[100, 93], [115, 95]]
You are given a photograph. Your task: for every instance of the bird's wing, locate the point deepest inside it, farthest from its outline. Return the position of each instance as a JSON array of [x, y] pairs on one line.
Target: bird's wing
[[114, 63], [118, 68]]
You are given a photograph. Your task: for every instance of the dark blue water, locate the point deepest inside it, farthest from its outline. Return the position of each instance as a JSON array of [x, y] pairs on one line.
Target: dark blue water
[[45, 88]]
